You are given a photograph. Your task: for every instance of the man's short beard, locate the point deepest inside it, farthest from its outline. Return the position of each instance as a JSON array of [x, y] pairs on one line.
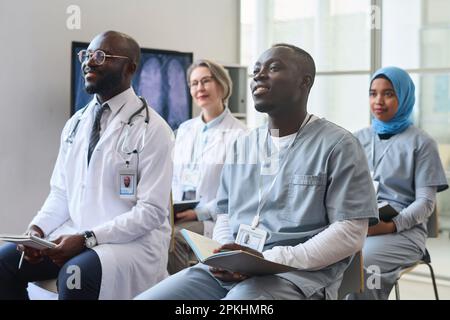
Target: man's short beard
[[264, 108], [90, 88], [106, 84]]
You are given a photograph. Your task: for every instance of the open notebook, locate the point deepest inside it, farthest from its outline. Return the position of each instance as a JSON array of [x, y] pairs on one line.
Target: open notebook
[[180, 206], [233, 261], [27, 240]]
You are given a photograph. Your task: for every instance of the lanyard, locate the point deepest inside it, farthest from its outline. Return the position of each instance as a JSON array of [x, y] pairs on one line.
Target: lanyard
[[263, 198], [375, 165], [200, 142], [202, 145], [204, 137]]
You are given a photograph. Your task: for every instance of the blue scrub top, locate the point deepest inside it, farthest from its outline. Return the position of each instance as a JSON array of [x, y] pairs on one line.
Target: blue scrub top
[[325, 179], [401, 164]]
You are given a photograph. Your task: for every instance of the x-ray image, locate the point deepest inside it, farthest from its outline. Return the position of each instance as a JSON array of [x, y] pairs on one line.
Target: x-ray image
[[163, 83]]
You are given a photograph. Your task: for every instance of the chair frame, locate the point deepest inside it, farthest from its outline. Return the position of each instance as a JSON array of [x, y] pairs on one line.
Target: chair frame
[[350, 283], [425, 260], [172, 224], [433, 232]]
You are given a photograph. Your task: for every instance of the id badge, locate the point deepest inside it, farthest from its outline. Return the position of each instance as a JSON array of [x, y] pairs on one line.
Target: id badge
[[127, 183], [252, 238], [190, 177]]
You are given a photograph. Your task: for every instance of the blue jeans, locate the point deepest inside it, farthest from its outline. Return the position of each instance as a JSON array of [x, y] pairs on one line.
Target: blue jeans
[[14, 281]]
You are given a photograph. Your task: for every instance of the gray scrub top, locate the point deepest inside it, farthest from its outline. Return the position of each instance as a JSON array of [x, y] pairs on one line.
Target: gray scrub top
[[403, 163], [325, 179]]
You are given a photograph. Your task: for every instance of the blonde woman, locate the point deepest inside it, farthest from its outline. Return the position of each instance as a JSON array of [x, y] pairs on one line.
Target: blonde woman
[[200, 150]]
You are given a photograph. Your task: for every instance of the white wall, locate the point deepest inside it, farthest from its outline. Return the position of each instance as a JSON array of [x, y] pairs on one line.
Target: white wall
[[35, 75]]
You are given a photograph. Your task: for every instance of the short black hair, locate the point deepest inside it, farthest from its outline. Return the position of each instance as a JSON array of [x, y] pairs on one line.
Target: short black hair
[[306, 60], [130, 48], [135, 49]]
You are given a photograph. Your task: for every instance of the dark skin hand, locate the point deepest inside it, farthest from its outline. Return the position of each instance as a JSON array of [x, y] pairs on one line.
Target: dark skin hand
[[228, 276], [67, 246], [382, 228], [32, 255], [188, 215]]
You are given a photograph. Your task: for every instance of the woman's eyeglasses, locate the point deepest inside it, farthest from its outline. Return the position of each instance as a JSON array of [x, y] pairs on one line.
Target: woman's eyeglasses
[[205, 81]]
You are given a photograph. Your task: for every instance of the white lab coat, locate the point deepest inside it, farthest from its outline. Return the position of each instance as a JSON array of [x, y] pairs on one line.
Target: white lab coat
[[133, 235], [211, 161]]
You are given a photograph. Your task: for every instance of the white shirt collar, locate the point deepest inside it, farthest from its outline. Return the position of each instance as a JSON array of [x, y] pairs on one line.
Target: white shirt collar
[[118, 101], [215, 122]]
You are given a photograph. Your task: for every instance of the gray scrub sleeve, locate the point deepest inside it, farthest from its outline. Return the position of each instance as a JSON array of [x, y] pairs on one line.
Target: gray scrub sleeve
[[428, 167], [417, 212], [350, 192]]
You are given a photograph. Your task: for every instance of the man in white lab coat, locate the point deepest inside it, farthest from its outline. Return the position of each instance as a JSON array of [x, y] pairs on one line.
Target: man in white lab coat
[[110, 244]]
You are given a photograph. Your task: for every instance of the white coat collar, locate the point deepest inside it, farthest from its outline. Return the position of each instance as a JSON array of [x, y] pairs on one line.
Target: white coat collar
[[117, 102], [127, 103], [215, 123]]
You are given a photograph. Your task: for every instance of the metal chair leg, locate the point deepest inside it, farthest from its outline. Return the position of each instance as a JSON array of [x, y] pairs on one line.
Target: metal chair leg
[[397, 291], [433, 279]]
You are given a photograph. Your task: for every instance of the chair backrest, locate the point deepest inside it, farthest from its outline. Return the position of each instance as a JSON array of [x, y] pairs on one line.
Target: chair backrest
[[353, 279], [433, 224], [172, 225]]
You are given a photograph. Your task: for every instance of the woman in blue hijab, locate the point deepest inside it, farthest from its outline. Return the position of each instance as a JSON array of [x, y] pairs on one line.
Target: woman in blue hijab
[[407, 173], [391, 115]]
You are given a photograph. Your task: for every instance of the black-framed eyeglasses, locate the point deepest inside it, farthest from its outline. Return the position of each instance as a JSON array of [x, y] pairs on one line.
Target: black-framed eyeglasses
[[205, 81], [98, 56]]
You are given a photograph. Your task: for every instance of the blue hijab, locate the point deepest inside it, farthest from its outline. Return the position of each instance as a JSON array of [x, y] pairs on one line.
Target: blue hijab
[[404, 89]]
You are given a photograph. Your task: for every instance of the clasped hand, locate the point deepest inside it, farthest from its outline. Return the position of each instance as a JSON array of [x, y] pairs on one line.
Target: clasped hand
[[184, 216], [67, 246], [382, 228]]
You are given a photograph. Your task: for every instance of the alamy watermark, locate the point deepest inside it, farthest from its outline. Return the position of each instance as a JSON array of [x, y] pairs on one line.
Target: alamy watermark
[[373, 277], [73, 21], [375, 18], [260, 147], [74, 280]]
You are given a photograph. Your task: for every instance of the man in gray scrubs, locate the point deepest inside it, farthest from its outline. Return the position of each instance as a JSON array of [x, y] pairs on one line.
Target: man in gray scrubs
[[309, 196]]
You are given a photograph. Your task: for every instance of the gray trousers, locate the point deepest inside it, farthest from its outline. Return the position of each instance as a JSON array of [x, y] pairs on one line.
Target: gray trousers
[[181, 255], [384, 257], [197, 283]]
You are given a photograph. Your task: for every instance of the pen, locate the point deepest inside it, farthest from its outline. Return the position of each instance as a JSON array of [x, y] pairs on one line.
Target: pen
[[21, 259]]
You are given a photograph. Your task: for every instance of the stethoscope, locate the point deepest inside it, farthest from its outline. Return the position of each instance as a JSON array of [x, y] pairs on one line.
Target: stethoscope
[[126, 150]]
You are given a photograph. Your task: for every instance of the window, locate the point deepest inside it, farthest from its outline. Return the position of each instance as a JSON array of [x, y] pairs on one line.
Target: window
[[335, 33], [418, 42], [349, 40]]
